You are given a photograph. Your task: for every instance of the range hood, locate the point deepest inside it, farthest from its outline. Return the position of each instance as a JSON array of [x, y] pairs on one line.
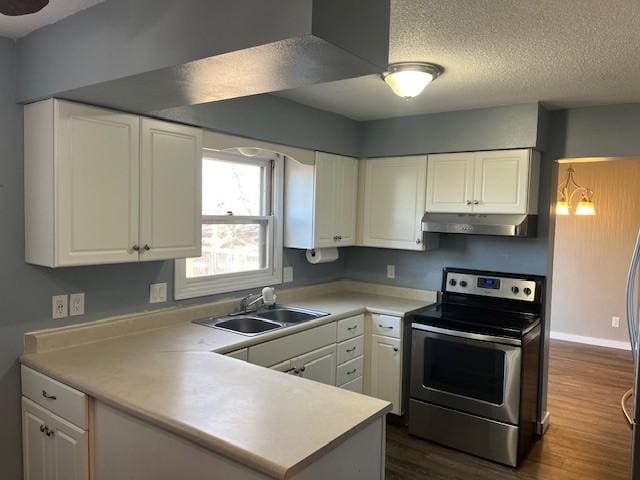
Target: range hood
[[506, 225]]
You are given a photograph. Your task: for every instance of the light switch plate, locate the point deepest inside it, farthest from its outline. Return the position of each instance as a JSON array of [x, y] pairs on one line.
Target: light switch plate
[[391, 271], [76, 304], [615, 322], [59, 306], [158, 293], [287, 274]]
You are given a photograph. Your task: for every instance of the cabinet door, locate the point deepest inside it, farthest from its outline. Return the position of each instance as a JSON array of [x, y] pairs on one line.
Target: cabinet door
[[394, 202], [345, 212], [325, 201], [171, 196], [386, 370], [34, 442], [69, 451], [97, 164], [450, 178], [60, 454], [319, 365], [501, 181]]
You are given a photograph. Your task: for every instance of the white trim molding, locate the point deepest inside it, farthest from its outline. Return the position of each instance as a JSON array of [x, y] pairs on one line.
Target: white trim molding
[[601, 342]]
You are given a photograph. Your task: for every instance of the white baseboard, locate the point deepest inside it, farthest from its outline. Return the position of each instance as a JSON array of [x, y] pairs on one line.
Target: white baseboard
[[601, 342]]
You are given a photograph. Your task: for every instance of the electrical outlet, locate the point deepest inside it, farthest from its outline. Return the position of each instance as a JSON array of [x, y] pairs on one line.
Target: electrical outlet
[[76, 304], [391, 271], [158, 293], [287, 274], [60, 306], [615, 322]]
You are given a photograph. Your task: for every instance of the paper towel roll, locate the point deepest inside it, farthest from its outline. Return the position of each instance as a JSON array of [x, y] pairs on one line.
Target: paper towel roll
[[322, 255]]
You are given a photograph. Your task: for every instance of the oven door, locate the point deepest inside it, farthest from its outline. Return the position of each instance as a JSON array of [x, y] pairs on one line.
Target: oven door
[[467, 372]]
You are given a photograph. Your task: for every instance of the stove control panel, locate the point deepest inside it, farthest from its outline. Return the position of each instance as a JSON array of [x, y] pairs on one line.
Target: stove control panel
[[499, 287]]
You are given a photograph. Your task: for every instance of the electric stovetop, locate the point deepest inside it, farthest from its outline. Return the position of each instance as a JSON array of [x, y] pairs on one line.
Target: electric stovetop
[[475, 319]]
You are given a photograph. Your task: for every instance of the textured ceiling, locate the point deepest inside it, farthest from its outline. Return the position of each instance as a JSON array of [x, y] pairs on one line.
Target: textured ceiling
[[16, 27], [565, 53]]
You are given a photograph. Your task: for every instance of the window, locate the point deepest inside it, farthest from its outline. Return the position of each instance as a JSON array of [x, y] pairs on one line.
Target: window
[[241, 226]]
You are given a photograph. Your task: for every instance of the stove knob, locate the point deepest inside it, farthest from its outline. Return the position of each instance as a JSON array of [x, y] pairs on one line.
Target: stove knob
[[453, 282], [515, 290], [527, 291], [463, 283]]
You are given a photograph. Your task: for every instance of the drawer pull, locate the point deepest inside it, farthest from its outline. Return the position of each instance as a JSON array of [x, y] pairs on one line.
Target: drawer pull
[[385, 326], [395, 349], [352, 328], [50, 397], [42, 428], [351, 372], [349, 350], [48, 432]]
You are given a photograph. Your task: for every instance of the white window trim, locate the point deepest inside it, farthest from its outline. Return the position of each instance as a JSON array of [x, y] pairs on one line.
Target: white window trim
[[199, 287]]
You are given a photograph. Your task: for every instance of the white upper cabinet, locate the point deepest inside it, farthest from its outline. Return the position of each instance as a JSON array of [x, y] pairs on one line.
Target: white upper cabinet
[[503, 181], [108, 187], [450, 182], [320, 202], [171, 196], [392, 203]]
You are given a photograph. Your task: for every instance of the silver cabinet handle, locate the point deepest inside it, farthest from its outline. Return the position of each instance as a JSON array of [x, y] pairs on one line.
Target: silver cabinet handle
[[351, 372], [48, 433], [146, 247], [418, 241], [302, 369], [476, 202], [50, 397], [339, 237], [351, 329], [384, 326], [42, 428], [136, 248], [395, 349], [623, 405], [335, 238], [469, 202], [349, 350]]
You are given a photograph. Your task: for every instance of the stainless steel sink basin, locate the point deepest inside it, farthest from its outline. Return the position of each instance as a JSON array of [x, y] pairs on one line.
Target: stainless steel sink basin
[[262, 321], [245, 325], [289, 315]]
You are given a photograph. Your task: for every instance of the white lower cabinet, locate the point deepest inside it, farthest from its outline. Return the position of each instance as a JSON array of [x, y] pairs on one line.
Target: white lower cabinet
[[53, 449], [319, 365], [386, 370]]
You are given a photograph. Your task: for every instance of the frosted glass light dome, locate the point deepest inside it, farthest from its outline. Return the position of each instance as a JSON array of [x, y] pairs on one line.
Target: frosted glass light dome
[[409, 79]]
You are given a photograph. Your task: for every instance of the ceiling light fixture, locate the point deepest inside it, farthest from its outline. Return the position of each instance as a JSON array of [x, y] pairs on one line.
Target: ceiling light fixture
[[409, 79], [567, 189]]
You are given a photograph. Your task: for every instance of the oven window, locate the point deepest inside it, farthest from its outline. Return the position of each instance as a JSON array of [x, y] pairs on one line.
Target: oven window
[[466, 370]]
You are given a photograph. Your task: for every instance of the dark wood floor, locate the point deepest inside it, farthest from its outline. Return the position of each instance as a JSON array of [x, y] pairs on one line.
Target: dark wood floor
[[588, 438]]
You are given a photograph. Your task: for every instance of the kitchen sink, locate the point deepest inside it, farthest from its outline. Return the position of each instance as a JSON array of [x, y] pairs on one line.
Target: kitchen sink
[[246, 325], [289, 315], [261, 321]]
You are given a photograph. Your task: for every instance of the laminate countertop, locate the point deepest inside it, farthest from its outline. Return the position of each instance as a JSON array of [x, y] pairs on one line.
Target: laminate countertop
[[173, 377]]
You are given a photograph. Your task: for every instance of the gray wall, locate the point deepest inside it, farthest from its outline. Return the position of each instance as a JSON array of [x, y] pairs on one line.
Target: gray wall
[[495, 128], [275, 119]]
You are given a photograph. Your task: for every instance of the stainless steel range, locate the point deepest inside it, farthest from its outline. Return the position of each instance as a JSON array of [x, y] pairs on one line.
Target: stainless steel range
[[475, 360]]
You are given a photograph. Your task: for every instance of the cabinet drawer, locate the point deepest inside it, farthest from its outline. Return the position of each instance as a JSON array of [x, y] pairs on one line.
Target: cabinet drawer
[[350, 371], [350, 349], [386, 325], [354, 385], [350, 327], [64, 401], [281, 349]]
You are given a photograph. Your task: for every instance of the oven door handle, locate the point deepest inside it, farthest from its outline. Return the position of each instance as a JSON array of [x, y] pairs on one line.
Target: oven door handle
[[467, 335]]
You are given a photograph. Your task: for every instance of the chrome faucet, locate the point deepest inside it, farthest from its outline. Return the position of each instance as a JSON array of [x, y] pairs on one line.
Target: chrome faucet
[[248, 301]]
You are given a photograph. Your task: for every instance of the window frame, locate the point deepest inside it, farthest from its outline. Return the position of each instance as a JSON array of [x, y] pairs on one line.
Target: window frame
[[230, 282]]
